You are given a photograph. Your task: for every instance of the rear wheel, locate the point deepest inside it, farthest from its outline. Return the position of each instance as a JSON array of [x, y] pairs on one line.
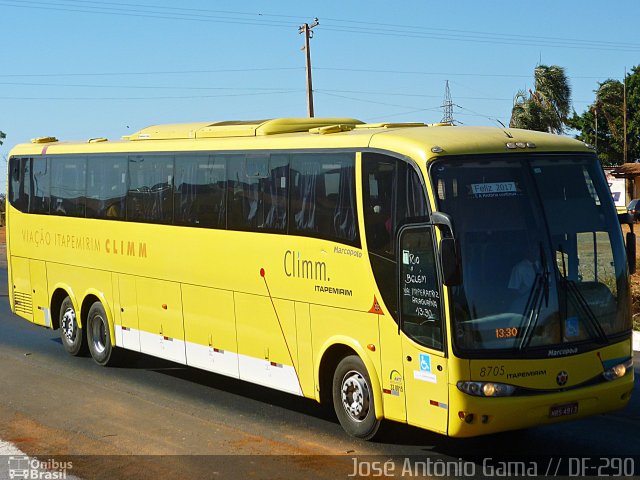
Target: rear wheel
[[73, 337], [98, 336], [353, 398]]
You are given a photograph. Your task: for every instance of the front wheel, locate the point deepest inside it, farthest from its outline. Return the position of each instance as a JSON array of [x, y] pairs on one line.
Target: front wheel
[[353, 398], [98, 336]]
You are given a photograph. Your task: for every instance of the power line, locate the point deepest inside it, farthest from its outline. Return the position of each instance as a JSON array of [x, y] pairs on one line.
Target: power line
[[480, 39], [200, 10], [138, 87], [269, 69], [369, 101], [462, 74], [385, 117], [344, 26], [421, 28], [41, 5], [171, 72], [366, 25], [265, 90], [477, 114], [470, 35], [148, 98]]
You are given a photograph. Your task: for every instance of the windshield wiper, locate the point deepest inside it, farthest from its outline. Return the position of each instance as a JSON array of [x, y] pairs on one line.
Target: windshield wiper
[[539, 292], [571, 286]]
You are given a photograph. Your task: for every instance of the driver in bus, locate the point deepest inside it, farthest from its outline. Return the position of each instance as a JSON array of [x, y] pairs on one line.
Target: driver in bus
[[523, 273], [523, 276]]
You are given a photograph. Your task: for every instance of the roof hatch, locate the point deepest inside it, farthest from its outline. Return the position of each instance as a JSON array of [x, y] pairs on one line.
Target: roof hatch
[[237, 128]]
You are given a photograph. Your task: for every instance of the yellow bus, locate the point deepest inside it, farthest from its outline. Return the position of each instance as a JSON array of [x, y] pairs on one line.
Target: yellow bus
[[462, 280]]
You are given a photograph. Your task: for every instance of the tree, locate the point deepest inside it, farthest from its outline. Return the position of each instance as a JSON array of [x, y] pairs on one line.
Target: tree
[[602, 124], [633, 114], [2, 136], [547, 108]]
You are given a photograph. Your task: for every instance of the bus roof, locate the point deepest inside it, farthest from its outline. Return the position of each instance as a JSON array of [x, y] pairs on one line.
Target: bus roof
[[417, 140]]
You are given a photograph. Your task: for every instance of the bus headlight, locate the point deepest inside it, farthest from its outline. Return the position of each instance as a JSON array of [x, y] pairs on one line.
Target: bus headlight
[[618, 370], [486, 389]]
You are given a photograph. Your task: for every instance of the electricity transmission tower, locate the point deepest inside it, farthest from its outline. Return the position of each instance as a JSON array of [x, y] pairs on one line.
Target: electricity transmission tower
[[447, 105]]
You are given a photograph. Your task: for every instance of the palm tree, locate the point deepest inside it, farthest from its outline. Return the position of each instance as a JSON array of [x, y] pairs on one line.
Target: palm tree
[[609, 101], [547, 108]]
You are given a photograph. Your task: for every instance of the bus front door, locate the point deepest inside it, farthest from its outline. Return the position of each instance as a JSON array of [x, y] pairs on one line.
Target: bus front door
[[426, 390], [422, 329]]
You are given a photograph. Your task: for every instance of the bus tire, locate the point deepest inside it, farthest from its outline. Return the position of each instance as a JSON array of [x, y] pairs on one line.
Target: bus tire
[[353, 398], [98, 336], [74, 339]]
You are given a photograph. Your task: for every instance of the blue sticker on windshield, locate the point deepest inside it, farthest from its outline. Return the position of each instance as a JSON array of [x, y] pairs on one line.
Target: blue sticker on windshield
[[572, 327]]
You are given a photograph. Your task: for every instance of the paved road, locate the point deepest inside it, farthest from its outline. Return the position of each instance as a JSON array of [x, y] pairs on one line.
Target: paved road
[[54, 404]]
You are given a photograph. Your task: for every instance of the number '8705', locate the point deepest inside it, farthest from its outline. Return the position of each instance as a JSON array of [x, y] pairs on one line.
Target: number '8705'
[[492, 370]]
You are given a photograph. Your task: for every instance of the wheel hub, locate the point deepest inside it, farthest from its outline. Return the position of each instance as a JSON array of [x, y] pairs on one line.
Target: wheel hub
[[355, 395], [69, 323], [98, 326]]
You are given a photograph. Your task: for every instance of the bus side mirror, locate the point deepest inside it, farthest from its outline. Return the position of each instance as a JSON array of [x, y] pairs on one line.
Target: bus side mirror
[[631, 251], [627, 218], [449, 259]]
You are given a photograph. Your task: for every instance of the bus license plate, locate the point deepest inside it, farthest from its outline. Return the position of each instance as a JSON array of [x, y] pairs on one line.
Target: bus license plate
[[563, 410]]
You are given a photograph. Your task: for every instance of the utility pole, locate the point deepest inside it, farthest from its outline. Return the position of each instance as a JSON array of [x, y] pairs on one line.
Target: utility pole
[[624, 116], [308, 34]]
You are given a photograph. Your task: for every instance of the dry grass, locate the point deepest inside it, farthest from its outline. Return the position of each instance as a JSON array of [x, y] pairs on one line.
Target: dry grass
[[635, 299]]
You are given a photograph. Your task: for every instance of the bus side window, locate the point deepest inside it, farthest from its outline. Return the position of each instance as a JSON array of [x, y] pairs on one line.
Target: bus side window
[[68, 185], [18, 167], [29, 184], [392, 192], [200, 191], [323, 203], [379, 177], [40, 185], [149, 198], [106, 187], [258, 193], [276, 193]]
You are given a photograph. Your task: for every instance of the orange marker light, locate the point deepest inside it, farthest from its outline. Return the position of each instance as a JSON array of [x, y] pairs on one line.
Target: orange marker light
[[371, 347]]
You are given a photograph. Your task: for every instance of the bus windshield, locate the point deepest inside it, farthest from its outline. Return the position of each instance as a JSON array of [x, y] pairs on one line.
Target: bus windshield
[[543, 261]]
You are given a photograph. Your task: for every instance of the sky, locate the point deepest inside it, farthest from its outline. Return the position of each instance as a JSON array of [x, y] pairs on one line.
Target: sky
[[78, 69]]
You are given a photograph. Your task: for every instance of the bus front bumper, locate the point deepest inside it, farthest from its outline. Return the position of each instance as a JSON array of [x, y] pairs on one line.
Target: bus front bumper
[[470, 416]]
